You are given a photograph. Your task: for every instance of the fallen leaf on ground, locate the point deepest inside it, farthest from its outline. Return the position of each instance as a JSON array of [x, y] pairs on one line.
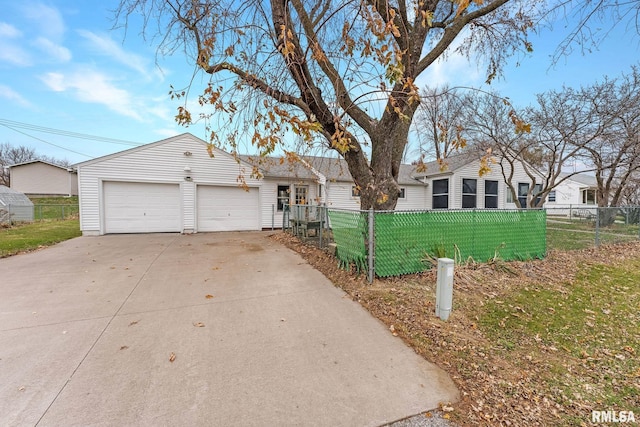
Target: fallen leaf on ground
[[199, 325], [172, 357], [208, 296], [135, 322], [124, 347]]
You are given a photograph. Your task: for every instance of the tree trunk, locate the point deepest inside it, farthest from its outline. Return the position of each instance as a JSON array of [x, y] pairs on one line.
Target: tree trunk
[[378, 184]]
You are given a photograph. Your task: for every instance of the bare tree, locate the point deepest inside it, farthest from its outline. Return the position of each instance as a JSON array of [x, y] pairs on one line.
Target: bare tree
[[344, 71], [441, 121], [615, 154], [589, 22], [10, 155], [556, 130]]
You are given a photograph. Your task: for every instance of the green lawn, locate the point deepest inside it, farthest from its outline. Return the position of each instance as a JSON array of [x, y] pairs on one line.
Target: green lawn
[[54, 207], [55, 200], [27, 237], [565, 234], [586, 336]]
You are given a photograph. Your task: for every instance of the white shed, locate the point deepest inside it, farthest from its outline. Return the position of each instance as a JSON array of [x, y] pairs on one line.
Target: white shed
[[14, 206], [172, 185]]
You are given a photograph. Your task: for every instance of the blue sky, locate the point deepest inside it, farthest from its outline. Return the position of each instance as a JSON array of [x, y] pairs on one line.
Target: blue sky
[[63, 67]]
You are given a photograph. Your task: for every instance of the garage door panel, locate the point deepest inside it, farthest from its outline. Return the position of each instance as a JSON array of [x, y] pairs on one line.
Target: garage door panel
[[134, 207], [227, 208]]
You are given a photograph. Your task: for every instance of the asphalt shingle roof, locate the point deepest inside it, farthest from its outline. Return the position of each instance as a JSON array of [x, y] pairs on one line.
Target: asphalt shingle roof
[[333, 169]]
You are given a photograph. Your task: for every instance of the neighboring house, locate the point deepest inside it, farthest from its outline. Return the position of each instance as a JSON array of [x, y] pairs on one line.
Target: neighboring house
[[174, 185], [578, 189], [574, 197], [39, 178], [14, 206]]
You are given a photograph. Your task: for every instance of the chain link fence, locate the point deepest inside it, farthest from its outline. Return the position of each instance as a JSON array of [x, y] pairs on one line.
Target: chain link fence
[[583, 227], [350, 234], [15, 214], [407, 242]]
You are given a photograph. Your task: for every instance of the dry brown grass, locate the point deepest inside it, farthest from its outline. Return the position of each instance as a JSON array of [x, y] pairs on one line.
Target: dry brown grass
[[509, 374]]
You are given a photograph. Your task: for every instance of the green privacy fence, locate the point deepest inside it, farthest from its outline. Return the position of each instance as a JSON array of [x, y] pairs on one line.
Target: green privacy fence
[[404, 240], [349, 230]]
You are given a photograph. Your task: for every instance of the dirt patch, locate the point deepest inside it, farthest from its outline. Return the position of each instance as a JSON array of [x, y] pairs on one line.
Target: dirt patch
[[498, 386]]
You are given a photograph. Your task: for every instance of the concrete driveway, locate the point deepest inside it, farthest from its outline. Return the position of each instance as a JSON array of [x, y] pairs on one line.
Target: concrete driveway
[[89, 330]]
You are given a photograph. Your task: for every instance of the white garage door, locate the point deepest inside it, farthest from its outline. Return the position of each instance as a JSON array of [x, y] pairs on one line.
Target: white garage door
[[134, 207], [227, 208]]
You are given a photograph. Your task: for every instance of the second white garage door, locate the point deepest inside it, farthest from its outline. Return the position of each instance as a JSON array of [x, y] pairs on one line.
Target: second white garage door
[[136, 207], [227, 208]]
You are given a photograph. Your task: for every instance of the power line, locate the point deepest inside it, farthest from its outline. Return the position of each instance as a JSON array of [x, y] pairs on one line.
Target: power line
[[46, 142], [20, 125]]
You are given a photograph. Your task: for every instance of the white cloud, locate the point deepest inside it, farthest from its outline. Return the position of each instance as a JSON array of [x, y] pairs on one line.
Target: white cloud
[[55, 51], [94, 87], [9, 31], [452, 68], [166, 132], [7, 93], [106, 46], [47, 19], [10, 50], [13, 54]]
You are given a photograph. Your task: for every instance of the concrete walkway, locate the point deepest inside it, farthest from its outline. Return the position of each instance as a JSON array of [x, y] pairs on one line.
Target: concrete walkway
[[208, 329]]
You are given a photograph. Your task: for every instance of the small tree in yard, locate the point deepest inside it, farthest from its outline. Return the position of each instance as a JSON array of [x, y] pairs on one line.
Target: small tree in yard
[[344, 71]]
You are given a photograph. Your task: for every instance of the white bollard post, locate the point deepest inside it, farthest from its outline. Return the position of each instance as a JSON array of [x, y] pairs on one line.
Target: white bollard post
[[444, 288]]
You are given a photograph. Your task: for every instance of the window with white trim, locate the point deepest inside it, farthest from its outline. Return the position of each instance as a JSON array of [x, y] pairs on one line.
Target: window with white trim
[[523, 190], [589, 196], [491, 194], [302, 194], [283, 197], [441, 194], [469, 193]]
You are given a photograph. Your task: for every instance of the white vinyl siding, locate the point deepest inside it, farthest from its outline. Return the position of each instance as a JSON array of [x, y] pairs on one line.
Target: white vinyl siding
[[415, 198], [339, 196], [471, 170], [160, 162]]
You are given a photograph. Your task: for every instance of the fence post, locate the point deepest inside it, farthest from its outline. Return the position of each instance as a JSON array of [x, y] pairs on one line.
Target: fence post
[[62, 212], [10, 215], [597, 226], [371, 269], [321, 226]]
